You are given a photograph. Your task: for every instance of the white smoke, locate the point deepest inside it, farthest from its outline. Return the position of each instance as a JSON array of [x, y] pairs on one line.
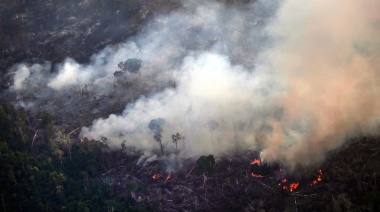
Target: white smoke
[[29, 76], [20, 76], [292, 83], [209, 88]]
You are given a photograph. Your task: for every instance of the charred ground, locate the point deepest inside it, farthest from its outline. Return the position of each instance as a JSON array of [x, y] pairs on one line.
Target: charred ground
[[346, 183], [41, 31]]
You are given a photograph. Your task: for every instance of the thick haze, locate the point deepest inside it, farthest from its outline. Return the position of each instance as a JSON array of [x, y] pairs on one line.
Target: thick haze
[[290, 78]]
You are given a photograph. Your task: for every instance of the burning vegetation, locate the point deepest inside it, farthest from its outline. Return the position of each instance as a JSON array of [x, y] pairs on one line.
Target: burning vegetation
[[237, 182], [319, 179], [156, 176]]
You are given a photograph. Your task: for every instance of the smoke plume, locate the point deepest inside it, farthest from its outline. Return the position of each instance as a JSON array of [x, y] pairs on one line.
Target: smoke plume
[[292, 79], [327, 53]]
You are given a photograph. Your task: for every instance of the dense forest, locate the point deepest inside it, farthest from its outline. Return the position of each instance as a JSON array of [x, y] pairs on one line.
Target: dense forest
[[52, 172]]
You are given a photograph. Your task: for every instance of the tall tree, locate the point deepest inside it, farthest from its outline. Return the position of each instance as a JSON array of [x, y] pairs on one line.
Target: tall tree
[[155, 126], [176, 138]]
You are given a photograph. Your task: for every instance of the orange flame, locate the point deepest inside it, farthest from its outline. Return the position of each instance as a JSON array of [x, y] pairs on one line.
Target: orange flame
[[290, 187], [293, 186], [256, 175], [168, 177], [255, 161], [156, 176]]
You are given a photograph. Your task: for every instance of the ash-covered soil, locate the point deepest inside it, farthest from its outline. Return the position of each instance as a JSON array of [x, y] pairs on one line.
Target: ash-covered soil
[[348, 180], [38, 31], [226, 185]]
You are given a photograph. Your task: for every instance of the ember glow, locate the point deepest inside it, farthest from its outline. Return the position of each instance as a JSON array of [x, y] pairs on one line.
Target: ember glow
[[319, 179], [293, 186], [156, 176], [256, 161], [284, 184], [168, 177], [256, 175]]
